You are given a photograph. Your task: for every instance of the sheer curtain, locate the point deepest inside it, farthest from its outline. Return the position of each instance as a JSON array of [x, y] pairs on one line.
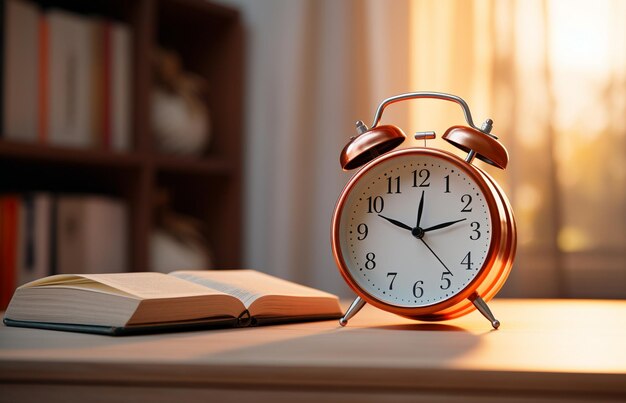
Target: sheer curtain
[[550, 73], [552, 76], [314, 68]]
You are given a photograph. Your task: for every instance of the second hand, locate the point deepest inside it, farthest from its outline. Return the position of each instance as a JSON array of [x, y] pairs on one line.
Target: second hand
[[433, 252]]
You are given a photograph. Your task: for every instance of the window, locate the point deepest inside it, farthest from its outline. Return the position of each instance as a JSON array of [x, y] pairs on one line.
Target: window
[[552, 75]]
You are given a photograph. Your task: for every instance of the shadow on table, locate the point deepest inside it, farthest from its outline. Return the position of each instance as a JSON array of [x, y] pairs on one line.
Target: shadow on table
[[423, 327]]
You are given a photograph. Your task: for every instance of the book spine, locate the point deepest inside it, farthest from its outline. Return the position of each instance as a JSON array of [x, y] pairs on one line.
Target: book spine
[[44, 61], [2, 266], [10, 207], [121, 85], [91, 235], [19, 70], [33, 242], [97, 71], [3, 34], [244, 319], [42, 221], [70, 230], [70, 75], [52, 233], [26, 240], [107, 80]]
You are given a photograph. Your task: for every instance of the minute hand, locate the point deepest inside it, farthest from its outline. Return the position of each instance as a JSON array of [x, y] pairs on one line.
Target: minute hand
[[443, 225]]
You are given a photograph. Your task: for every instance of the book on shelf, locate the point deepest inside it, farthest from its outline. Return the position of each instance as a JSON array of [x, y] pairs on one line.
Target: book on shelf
[[20, 75], [24, 241], [67, 78], [9, 227], [33, 240], [118, 87], [43, 234], [132, 303], [71, 86], [91, 234]]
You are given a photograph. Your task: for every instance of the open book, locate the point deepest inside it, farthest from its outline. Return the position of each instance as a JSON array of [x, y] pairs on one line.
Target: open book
[[129, 303]]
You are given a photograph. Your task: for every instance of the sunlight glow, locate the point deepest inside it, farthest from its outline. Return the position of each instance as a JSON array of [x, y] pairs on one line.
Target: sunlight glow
[[572, 239], [552, 75], [579, 53]]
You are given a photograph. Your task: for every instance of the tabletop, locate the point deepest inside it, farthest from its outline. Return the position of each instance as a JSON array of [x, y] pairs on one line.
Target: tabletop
[[562, 348]]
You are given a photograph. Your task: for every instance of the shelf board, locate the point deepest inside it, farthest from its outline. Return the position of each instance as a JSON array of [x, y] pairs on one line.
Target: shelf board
[[202, 9], [53, 155], [191, 165], [32, 152]]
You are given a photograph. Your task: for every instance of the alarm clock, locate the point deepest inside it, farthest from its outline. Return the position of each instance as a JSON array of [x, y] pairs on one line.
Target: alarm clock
[[419, 231]]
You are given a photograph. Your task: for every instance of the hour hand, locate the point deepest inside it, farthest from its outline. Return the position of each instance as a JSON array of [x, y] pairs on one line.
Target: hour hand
[[396, 223]]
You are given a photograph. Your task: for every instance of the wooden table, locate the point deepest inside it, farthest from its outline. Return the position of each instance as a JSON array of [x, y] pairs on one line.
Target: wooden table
[[545, 350]]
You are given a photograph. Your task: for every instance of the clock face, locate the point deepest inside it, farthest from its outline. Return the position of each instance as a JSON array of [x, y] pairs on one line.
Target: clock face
[[415, 229]]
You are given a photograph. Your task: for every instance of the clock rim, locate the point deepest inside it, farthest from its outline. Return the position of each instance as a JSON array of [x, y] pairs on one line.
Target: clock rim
[[491, 258]]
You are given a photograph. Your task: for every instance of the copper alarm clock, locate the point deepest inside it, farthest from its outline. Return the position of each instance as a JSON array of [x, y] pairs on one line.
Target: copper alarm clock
[[421, 232]]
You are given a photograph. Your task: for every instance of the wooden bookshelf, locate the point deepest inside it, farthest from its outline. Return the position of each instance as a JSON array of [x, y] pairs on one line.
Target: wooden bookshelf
[[209, 37]]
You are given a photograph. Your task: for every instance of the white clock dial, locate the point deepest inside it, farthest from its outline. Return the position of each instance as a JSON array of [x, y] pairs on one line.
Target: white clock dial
[[403, 262]]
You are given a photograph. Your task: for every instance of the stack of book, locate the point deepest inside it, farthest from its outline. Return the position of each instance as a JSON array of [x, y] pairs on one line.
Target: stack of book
[[43, 234], [66, 78]]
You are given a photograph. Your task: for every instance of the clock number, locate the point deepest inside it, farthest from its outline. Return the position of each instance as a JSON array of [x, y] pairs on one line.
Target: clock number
[[467, 199], [418, 291], [446, 280], [467, 261], [370, 263], [389, 184], [475, 226], [423, 174], [375, 205], [447, 177], [362, 230], [393, 278]]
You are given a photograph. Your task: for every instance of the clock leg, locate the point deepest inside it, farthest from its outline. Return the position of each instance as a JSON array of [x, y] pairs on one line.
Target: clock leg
[[355, 307], [482, 307]]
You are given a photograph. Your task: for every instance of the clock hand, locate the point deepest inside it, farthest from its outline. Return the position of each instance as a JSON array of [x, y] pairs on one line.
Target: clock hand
[[396, 223], [433, 252], [443, 225], [420, 208]]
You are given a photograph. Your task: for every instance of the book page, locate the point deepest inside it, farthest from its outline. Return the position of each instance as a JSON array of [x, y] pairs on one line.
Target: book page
[[120, 299], [249, 285], [145, 285]]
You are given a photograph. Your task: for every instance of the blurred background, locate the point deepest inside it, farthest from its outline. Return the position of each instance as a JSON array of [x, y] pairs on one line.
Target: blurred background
[[171, 134], [550, 73]]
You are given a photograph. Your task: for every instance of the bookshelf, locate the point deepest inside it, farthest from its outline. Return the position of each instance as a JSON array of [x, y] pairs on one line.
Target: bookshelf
[[209, 38]]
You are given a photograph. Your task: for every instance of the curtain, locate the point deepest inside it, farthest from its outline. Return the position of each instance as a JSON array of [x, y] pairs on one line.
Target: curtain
[[314, 68], [550, 73]]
